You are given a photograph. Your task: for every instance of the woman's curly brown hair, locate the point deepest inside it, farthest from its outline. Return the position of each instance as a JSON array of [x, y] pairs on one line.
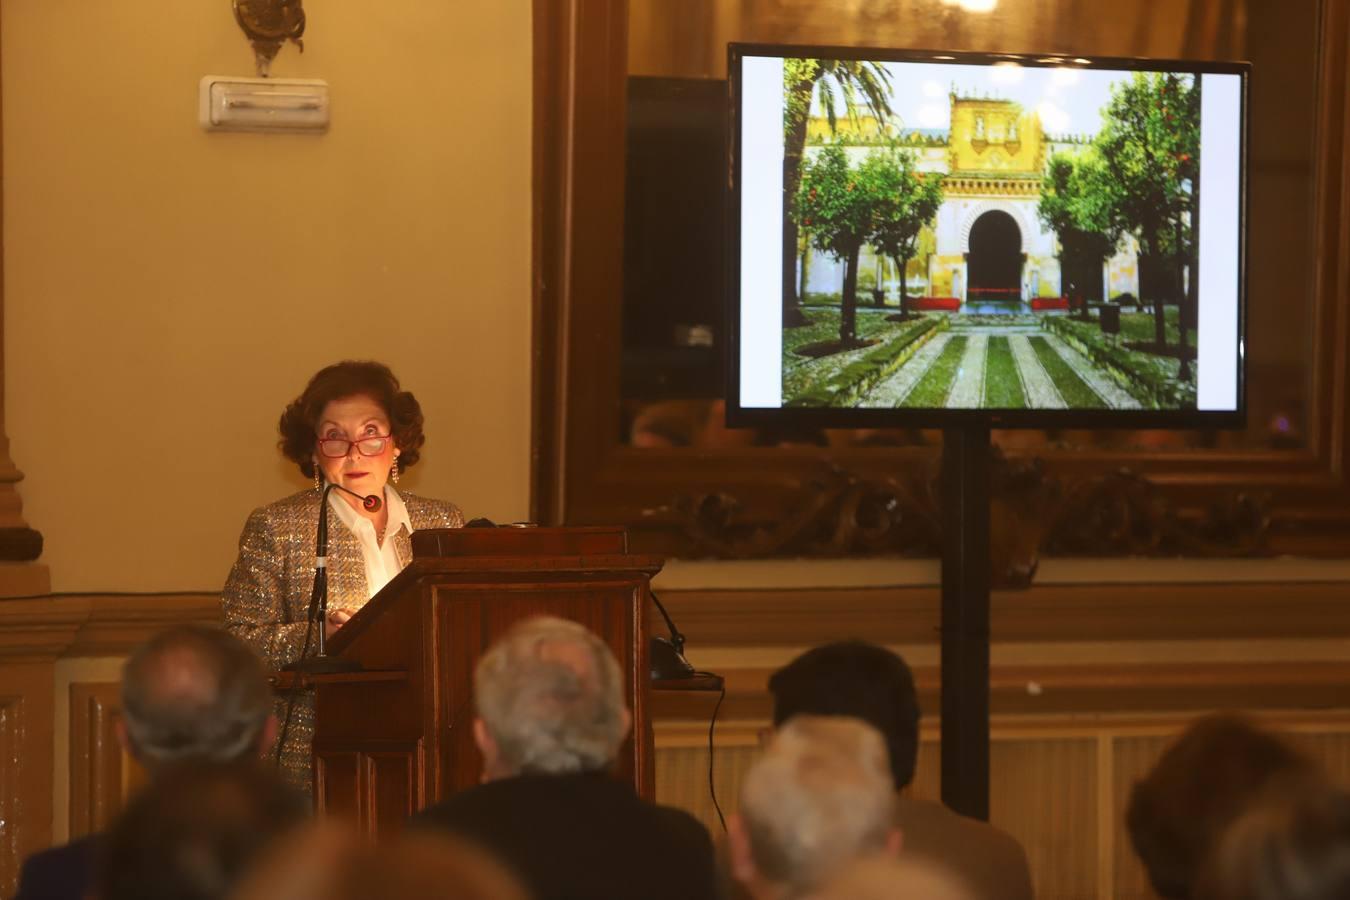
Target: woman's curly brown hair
[[350, 378]]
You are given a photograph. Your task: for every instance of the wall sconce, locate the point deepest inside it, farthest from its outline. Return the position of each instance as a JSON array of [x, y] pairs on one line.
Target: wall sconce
[[269, 24]]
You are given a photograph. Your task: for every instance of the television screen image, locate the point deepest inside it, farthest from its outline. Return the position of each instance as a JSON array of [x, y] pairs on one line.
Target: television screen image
[[923, 237]]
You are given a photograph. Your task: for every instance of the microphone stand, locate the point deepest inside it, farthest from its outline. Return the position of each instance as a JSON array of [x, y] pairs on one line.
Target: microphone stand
[[321, 663], [666, 655]]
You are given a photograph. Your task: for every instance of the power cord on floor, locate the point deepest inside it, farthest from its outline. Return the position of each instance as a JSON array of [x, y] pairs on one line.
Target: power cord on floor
[[712, 725]]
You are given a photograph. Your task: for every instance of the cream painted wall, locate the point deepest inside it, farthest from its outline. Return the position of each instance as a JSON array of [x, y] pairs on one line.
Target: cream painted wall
[[167, 291]]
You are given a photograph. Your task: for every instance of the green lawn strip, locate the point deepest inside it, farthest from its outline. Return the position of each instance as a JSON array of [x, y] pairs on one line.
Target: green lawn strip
[[1074, 390], [936, 383], [842, 378], [1002, 384], [824, 326], [1150, 379], [1139, 326]]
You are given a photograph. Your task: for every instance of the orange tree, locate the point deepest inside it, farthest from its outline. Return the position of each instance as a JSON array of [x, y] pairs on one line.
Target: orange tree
[[1074, 208], [837, 206], [1150, 150], [907, 200]]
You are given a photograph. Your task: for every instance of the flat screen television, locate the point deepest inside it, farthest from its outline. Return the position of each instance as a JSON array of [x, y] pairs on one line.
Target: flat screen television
[[926, 238]]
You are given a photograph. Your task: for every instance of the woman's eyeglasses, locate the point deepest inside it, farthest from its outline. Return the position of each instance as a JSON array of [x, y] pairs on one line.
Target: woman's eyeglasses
[[336, 448]]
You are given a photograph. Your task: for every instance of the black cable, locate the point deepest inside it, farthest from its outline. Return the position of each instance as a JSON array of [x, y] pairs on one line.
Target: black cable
[[712, 785]]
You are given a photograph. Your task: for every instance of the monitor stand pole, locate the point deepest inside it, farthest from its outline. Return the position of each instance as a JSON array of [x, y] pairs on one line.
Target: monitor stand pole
[[965, 619]]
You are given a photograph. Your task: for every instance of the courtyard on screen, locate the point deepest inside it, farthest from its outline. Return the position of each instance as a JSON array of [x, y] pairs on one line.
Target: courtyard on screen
[[991, 237]]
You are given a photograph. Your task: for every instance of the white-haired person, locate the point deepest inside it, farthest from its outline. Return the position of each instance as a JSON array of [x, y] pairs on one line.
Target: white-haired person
[[551, 720], [869, 682], [821, 797]]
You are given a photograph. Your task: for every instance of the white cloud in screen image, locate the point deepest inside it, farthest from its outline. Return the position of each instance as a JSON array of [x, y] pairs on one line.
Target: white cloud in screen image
[[1053, 118], [933, 116]]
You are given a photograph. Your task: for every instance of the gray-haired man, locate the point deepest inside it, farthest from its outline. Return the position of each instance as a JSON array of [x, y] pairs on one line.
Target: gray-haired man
[[189, 693], [819, 798], [551, 719]]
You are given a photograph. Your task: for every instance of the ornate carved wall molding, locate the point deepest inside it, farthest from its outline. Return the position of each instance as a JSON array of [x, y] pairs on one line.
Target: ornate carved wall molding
[[836, 513]]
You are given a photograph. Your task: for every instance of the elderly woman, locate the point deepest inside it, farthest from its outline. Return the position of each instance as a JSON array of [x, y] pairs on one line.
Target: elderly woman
[[353, 426]]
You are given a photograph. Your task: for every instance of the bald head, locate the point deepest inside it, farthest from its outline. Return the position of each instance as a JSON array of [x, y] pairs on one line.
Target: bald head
[[195, 693]]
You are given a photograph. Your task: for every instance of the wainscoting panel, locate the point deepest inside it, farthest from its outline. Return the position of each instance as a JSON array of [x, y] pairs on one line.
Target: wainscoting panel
[[1043, 791], [1058, 784], [1130, 758], [1078, 716], [102, 775], [11, 749], [26, 762], [682, 766]]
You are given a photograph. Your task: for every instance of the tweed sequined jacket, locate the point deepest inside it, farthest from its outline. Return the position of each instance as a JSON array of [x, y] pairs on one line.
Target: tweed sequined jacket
[[267, 594]]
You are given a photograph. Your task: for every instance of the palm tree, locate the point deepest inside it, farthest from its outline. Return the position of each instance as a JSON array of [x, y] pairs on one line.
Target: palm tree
[[827, 80]]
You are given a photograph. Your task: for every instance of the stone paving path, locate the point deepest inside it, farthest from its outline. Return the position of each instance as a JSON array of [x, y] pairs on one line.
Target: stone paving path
[[1114, 395], [1040, 390], [968, 390], [895, 389]]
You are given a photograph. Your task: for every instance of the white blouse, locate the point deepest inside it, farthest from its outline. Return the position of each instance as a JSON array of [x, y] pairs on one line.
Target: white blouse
[[381, 560]]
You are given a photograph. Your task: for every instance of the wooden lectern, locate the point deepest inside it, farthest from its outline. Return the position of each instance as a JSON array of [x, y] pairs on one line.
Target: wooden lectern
[[397, 736]]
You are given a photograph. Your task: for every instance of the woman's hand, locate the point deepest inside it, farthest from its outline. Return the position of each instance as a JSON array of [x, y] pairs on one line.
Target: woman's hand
[[336, 619]]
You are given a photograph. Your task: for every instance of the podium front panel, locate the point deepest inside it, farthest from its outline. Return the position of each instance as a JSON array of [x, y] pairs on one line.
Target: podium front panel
[[400, 736]]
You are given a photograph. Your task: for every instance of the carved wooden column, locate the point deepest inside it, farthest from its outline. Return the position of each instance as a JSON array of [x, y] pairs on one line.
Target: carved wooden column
[[19, 544]]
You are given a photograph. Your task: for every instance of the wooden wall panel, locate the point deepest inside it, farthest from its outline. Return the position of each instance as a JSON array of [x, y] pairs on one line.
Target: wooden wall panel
[[909, 614], [11, 749], [102, 774], [1058, 784], [1061, 696], [1131, 758], [391, 787], [27, 718], [1331, 750], [682, 767], [1043, 791]]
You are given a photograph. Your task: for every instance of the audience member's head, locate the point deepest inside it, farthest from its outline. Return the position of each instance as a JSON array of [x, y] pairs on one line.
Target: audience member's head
[[332, 861], [195, 693], [858, 679], [194, 830], [1293, 844], [885, 877], [550, 700], [821, 796], [1203, 782]]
